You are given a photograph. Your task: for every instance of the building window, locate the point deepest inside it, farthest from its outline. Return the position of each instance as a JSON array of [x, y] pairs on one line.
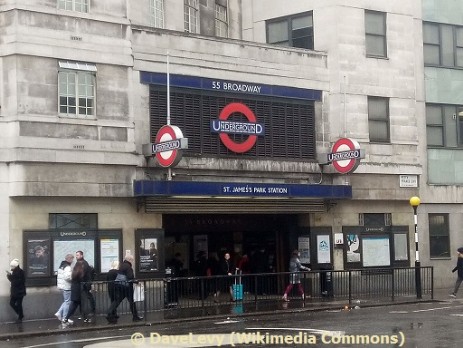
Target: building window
[[76, 88], [293, 31], [221, 21], [434, 125], [442, 45], [431, 44], [378, 119], [72, 221], [191, 16], [73, 5], [439, 240], [375, 34], [157, 13], [444, 125]]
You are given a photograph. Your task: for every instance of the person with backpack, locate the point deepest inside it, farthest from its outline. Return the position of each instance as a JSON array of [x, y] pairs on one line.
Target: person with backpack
[[64, 279]]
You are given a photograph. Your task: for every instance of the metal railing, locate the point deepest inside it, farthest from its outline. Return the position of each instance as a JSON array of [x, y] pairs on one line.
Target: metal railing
[[191, 293]]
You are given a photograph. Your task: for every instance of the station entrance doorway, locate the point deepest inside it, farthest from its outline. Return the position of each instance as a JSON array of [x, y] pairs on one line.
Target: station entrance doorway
[[260, 236]]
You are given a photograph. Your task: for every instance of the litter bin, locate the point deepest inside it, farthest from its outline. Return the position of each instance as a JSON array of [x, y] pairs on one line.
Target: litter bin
[[326, 281], [170, 291]]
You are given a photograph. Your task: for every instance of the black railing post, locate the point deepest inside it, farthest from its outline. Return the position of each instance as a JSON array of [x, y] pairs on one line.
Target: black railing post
[[393, 284], [350, 288]]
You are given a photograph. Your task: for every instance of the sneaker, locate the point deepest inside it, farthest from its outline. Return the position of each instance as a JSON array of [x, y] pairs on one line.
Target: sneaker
[[285, 298], [58, 316], [87, 320], [453, 296], [70, 321], [303, 297]]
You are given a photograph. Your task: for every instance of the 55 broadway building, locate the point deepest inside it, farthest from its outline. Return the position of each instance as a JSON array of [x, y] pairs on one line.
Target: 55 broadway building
[[159, 127]]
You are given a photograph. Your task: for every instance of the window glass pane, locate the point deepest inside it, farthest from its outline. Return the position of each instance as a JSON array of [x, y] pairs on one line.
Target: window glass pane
[[72, 221], [433, 114], [459, 57], [375, 46], [431, 55], [447, 46], [302, 22], [377, 108], [373, 219], [431, 33], [435, 136], [459, 36], [450, 128], [278, 32], [303, 38], [400, 247], [378, 131], [157, 13], [375, 23], [439, 235]]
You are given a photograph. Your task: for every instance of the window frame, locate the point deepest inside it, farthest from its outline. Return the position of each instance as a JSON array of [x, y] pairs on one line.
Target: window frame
[[63, 5], [371, 34], [444, 57], [373, 119], [79, 71], [432, 234], [289, 22], [191, 11], [221, 24], [433, 125], [157, 13]]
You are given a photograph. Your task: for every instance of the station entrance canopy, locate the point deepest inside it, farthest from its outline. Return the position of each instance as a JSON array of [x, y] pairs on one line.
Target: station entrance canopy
[[183, 197]]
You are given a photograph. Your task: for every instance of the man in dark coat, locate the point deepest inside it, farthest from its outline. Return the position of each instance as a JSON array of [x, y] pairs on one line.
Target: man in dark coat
[[87, 281], [17, 279], [459, 269], [123, 288]]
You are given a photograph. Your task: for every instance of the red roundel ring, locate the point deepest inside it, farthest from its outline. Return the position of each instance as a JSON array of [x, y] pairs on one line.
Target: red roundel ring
[[345, 144], [167, 133], [226, 140]]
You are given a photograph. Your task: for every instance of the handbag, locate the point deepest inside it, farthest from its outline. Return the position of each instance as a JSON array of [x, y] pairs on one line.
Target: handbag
[[138, 292]]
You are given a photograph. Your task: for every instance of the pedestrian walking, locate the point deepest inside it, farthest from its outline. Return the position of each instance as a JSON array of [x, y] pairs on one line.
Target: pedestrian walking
[[226, 267], [459, 269], [76, 293], [17, 279], [111, 277], [123, 288], [64, 280], [87, 281], [295, 267]]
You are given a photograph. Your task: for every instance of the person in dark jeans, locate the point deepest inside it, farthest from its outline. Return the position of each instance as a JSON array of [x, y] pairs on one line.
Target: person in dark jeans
[[123, 288], [17, 279], [77, 292], [87, 281], [111, 277], [459, 269]]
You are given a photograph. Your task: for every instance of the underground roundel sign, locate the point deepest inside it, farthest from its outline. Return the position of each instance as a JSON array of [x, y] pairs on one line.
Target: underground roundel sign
[[345, 155], [225, 127], [169, 145]]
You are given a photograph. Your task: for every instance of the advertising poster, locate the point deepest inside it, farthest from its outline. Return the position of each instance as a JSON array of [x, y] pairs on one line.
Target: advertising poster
[[353, 248], [149, 255], [63, 247], [323, 249], [303, 245], [376, 251], [109, 253], [38, 257]]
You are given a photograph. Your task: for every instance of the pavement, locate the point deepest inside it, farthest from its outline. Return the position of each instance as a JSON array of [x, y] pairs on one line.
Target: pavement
[[52, 326]]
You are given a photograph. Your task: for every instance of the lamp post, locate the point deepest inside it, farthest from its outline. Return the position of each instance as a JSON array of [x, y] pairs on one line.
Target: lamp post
[[415, 202]]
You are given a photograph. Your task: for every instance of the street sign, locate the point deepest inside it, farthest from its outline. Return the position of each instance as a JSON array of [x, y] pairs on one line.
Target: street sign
[[345, 155], [169, 145]]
